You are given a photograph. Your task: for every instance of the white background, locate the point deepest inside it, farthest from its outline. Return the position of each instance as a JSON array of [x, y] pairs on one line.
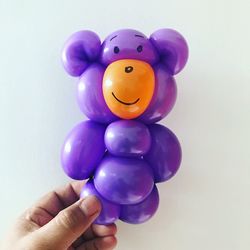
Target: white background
[[207, 205]]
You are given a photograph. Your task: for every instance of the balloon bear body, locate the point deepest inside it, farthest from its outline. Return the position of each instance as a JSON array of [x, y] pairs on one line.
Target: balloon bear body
[[125, 86]]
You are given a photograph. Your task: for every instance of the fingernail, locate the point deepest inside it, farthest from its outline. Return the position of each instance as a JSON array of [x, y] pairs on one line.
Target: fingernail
[[90, 205]]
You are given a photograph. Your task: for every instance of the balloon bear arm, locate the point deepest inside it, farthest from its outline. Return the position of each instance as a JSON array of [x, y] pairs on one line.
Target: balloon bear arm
[[164, 155], [83, 149]]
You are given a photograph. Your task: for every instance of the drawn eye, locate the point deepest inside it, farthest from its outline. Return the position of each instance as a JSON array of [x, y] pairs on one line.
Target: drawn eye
[[139, 48], [116, 50]]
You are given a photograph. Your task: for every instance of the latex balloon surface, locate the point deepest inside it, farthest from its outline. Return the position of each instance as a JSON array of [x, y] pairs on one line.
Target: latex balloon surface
[[126, 84], [128, 87]]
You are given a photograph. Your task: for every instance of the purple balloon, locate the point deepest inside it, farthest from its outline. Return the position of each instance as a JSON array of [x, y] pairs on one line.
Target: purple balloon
[[90, 95], [123, 158], [127, 138], [83, 54], [164, 96], [164, 155], [123, 180], [128, 44], [80, 49], [83, 149], [110, 212], [141, 212], [172, 47]]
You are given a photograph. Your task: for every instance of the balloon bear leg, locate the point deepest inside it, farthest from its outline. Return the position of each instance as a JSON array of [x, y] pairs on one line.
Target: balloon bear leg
[[143, 211], [110, 212], [83, 149], [134, 214], [124, 180]]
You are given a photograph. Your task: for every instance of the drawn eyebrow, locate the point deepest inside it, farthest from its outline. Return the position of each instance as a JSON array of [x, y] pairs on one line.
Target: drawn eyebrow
[[113, 38], [139, 36]]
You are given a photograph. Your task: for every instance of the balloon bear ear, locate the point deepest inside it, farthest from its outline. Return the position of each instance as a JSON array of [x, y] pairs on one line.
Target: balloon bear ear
[[172, 48], [82, 48]]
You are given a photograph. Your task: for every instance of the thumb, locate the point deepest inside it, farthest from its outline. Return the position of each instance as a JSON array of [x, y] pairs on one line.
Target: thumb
[[70, 223]]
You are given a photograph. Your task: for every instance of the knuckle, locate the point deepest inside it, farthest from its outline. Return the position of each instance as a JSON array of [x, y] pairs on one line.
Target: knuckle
[[69, 218], [49, 196], [32, 213], [37, 215]]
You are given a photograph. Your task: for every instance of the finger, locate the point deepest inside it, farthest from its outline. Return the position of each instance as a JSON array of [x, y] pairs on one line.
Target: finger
[[104, 230], [37, 216], [100, 231], [105, 243], [59, 199], [77, 186], [70, 223], [96, 231]]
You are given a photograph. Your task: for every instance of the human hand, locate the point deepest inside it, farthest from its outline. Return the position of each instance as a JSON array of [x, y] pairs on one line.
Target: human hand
[[60, 221]]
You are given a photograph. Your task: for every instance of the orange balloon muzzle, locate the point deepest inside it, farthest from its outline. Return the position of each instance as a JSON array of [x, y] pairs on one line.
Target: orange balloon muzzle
[[128, 87]]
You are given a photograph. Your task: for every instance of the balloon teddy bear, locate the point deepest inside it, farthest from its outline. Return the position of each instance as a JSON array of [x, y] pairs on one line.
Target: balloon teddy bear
[[125, 86]]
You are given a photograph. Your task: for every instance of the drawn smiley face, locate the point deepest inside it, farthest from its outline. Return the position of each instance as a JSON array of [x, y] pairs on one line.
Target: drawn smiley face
[[128, 87]]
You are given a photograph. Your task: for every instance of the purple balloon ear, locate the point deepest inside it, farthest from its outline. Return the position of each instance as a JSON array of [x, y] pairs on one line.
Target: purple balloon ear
[[82, 48], [172, 48]]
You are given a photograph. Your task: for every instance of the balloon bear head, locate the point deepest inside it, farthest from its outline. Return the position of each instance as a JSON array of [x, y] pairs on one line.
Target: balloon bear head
[[126, 84], [128, 75]]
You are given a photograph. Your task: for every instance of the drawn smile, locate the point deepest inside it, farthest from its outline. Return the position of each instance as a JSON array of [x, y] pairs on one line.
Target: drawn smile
[[125, 103]]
